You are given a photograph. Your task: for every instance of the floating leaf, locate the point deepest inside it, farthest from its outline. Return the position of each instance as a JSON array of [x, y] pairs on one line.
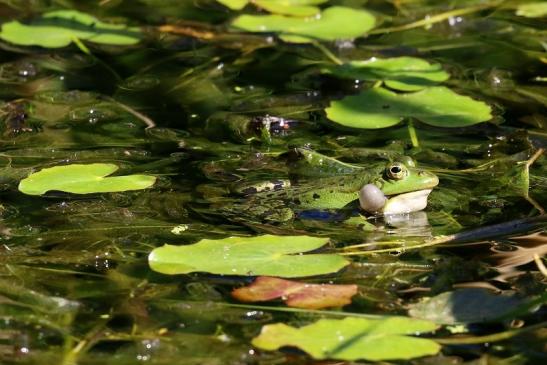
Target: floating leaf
[[336, 22], [533, 10], [353, 338], [261, 255], [381, 108], [59, 28], [401, 73], [83, 179], [296, 294], [234, 4], [470, 305], [290, 7]]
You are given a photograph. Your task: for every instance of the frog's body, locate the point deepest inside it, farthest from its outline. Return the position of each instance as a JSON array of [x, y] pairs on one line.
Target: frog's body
[[279, 202]]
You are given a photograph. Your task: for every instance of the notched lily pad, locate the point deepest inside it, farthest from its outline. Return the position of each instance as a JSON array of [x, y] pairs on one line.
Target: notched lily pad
[[59, 28], [353, 338], [471, 305], [336, 22], [262, 255], [83, 179], [400, 73], [381, 108], [296, 294]]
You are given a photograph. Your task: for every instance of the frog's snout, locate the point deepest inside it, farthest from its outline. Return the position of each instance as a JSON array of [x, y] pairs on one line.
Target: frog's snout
[[429, 180]]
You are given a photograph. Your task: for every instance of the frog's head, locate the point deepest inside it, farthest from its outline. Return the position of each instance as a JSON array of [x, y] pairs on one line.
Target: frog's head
[[402, 188]]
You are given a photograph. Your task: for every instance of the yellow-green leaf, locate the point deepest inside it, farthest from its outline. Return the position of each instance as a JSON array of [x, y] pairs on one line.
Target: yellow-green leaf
[[83, 179], [262, 255], [59, 28], [353, 338]]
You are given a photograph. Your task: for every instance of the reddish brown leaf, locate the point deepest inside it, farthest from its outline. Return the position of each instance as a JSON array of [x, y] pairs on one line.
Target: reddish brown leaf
[[296, 294]]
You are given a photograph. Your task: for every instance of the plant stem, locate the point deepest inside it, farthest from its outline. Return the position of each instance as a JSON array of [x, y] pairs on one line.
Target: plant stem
[[429, 20], [500, 336], [327, 53], [413, 134]]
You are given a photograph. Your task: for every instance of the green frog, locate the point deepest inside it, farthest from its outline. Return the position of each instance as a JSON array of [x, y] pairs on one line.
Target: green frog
[[383, 188]]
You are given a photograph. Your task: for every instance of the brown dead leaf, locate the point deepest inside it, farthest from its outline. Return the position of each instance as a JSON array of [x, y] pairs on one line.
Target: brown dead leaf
[[296, 294]]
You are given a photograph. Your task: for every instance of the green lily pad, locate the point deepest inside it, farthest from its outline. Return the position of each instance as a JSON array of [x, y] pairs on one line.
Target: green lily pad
[[59, 28], [353, 338], [401, 73], [381, 108], [336, 22], [286, 7], [262, 255], [470, 305], [533, 10], [234, 4], [290, 7], [83, 179]]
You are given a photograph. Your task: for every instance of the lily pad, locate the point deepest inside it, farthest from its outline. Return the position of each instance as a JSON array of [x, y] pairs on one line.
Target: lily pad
[[381, 108], [400, 73], [353, 338], [83, 179], [336, 22], [290, 7], [296, 294], [533, 10], [471, 305], [262, 255], [59, 28], [234, 4]]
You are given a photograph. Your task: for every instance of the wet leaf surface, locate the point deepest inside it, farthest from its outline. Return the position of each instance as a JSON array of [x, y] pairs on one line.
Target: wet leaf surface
[[336, 22], [83, 179], [60, 28], [296, 294], [471, 305], [381, 108], [353, 338], [250, 256], [400, 73]]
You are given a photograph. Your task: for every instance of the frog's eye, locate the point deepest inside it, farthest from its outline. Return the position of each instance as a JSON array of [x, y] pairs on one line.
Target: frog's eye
[[396, 171]]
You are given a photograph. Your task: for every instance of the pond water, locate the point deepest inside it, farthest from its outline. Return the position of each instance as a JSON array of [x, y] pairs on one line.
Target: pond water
[[258, 124]]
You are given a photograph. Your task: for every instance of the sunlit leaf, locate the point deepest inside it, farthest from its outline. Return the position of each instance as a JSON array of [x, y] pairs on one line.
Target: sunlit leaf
[[533, 10], [336, 22], [401, 73], [234, 4], [381, 108], [296, 294], [353, 338], [83, 179], [262, 255], [290, 7], [470, 305], [59, 28]]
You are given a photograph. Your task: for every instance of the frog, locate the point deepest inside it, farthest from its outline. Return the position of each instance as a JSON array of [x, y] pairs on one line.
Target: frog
[[382, 188]]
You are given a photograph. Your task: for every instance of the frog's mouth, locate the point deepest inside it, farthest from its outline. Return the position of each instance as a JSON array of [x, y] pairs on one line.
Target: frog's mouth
[[373, 200], [406, 202]]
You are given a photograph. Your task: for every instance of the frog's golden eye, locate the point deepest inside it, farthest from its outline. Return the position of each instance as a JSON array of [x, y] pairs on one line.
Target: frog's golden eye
[[396, 171]]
